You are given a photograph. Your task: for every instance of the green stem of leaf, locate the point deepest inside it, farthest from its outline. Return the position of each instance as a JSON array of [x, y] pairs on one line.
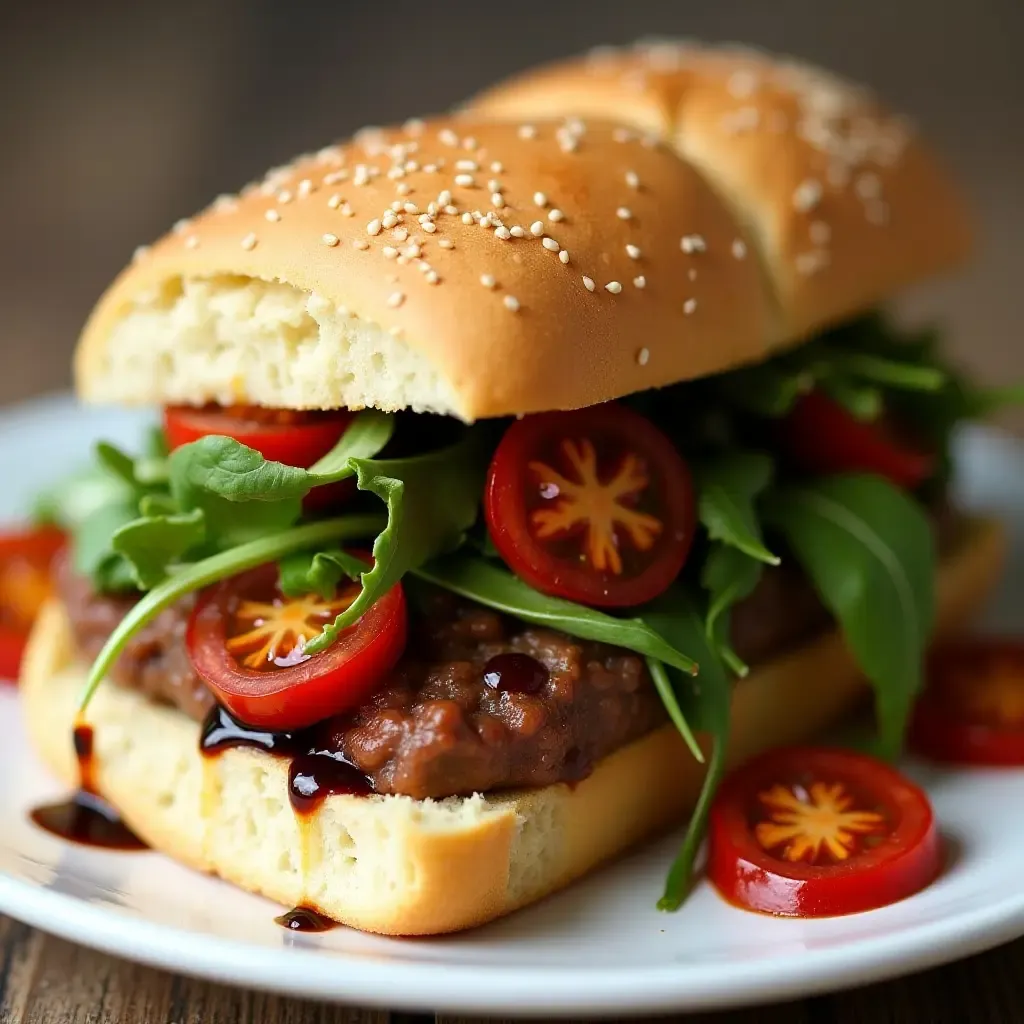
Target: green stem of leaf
[[663, 685]]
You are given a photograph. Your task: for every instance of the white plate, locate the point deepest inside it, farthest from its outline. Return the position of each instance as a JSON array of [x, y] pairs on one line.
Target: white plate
[[599, 948]]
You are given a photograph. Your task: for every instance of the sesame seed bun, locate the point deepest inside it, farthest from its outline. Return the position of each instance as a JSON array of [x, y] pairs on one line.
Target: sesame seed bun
[[363, 276], [844, 202]]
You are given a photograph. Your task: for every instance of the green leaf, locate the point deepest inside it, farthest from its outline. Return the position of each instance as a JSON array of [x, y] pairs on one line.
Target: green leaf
[[367, 435], [728, 576], [218, 567], [767, 389], [889, 372], [662, 683], [92, 551], [705, 704], [862, 402], [868, 549], [115, 460], [156, 543], [494, 587], [319, 572], [726, 488], [432, 502]]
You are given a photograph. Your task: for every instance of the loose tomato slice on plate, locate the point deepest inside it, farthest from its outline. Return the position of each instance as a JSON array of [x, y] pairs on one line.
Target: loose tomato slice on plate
[[596, 506], [813, 832], [280, 435], [25, 560], [245, 640], [820, 436], [972, 710]]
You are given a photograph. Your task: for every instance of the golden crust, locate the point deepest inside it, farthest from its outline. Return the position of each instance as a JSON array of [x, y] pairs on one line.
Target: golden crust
[[386, 864], [844, 200], [561, 345]]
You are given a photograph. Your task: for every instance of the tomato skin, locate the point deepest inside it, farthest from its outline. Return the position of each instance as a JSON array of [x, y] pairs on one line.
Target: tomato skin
[[299, 443], [952, 724], [25, 560], [509, 493], [300, 695], [900, 861], [821, 437]]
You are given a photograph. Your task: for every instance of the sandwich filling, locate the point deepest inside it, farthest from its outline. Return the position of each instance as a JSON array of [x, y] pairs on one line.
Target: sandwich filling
[[456, 609]]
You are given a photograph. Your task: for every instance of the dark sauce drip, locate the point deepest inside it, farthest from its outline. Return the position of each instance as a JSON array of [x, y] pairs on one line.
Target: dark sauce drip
[[305, 919], [86, 818], [515, 673], [313, 775]]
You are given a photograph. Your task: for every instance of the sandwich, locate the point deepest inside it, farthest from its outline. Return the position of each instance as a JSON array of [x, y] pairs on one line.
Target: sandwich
[[518, 472]]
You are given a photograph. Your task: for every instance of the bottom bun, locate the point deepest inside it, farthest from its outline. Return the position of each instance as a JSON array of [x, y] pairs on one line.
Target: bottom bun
[[398, 866]]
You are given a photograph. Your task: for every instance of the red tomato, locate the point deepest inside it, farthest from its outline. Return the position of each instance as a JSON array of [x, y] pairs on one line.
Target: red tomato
[[25, 560], [811, 832], [596, 506], [245, 639], [820, 436], [972, 711], [280, 435]]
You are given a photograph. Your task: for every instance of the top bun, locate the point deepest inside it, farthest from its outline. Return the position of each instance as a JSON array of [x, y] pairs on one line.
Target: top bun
[[843, 201], [470, 268]]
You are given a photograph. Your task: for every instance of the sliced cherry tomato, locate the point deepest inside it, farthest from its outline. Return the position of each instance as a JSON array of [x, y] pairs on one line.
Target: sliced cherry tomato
[[245, 640], [25, 560], [820, 436], [972, 711], [595, 505], [280, 435], [811, 832]]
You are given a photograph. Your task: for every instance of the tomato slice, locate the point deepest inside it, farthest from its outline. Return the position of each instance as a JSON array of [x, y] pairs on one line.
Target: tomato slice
[[812, 832], [972, 710], [280, 435], [820, 436], [25, 560], [245, 641], [596, 506]]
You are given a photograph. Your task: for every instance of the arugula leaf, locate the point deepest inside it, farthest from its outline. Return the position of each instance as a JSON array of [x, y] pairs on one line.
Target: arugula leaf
[[726, 488], [889, 372], [705, 704], [432, 502], [869, 551], [766, 389], [478, 580], [319, 572], [152, 544], [366, 436], [863, 403], [662, 683], [115, 460], [728, 576], [217, 567], [92, 551]]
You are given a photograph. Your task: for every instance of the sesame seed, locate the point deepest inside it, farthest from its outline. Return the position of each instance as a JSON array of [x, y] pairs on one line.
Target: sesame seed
[[272, 215], [527, 131], [640, 282], [395, 299], [347, 211], [331, 240], [181, 226], [140, 252], [516, 231], [807, 195], [555, 216], [451, 210], [334, 202], [469, 142], [284, 197], [487, 280], [191, 242], [623, 213], [642, 356], [444, 198], [389, 252], [537, 228], [400, 234], [396, 206], [373, 228], [411, 166], [632, 252], [466, 165], [410, 208], [739, 249], [249, 242], [511, 303], [496, 200], [305, 187], [819, 232], [689, 306], [692, 243], [496, 167], [503, 233], [389, 220], [551, 244], [467, 218], [614, 287], [540, 199], [335, 177], [588, 283], [414, 126], [360, 243], [448, 137], [493, 185], [464, 180], [402, 188], [429, 227], [361, 176], [692, 273], [446, 243], [431, 277], [632, 179]]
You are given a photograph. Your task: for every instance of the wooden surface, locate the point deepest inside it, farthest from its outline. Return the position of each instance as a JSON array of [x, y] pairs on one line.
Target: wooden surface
[[48, 981]]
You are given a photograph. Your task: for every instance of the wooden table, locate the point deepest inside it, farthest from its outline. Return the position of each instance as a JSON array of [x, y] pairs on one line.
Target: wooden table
[[48, 981]]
